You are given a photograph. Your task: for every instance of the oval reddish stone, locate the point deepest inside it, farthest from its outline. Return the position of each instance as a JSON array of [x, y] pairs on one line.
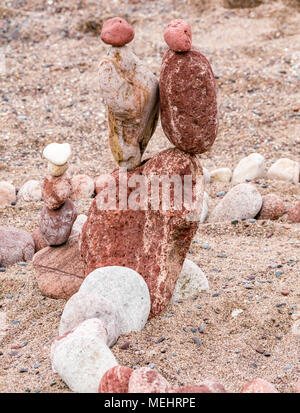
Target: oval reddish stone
[[117, 32], [115, 380], [178, 36], [259, 386], [188, 101]]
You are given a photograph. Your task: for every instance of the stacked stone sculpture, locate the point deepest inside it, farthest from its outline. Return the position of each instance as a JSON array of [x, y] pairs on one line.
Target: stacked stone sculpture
[[152, 242], [59, 212]]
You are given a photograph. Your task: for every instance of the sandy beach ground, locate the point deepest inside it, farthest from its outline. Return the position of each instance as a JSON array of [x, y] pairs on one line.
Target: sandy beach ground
[[49, 91]]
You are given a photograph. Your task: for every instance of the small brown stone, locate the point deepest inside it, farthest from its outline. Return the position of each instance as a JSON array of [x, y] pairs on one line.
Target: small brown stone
[[56, 225], [294, 213], [116, 380], [272, 207], [56, 190], [39, 241]]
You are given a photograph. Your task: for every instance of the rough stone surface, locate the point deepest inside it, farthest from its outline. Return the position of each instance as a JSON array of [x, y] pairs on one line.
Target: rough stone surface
[[81, 357], [126, 290], [191, 281], [221, 175], [297, 387], [57, 153], [242, 201], [30, 191], [130, 92], [272, 207], [82, 187], [115, 380], [82, 306], [146, 380], [59, 271], [39, 241], [251, 167], [7, 193], [188, 101], [15, 245], [56, 225], [259, 386], [285, 170], [178, 36], [192, 388], [294, 213], [56, 170], [117, 32], [56, 190], [152, 242]]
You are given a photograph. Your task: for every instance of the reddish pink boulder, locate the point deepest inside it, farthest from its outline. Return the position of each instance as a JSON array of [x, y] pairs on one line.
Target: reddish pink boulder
[[259, 386], [153, 242], [188, 101], [15, 245], [178, 36], [297, 387], [56, 225], [39, 241], [272, 207], [117, 32], [146, 380], [294, 213], [56, 190], [115, 380], [59, 271], [82, 187]]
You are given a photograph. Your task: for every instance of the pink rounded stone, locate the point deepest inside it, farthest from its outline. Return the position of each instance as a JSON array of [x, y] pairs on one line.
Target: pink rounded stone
[[214, 386], [117, 32], [15, 245], [297, 387], [115, 380], [259, 386], [294, 213], [56, 190], [178, 36], [56, 225], [146, 380], [272, 207], [82, 187]]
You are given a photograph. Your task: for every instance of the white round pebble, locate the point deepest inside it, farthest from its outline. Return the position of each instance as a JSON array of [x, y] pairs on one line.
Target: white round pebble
[[57, 153], [31, 191], [124, 288], [251, 167], [81, 357]]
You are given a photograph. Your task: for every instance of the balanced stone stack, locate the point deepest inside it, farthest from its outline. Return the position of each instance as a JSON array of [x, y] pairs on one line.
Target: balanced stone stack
[[153, 242], [58, 213]]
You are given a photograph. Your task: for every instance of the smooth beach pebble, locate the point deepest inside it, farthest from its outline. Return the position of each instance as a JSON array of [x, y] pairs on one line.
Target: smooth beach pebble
[[178, 36], [117, 32]]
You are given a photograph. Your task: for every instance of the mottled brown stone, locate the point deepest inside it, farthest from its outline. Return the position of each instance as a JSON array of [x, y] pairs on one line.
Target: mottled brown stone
[[39, 241], [146, 380], [115, 380], [272, 207], [56, 190], [188, 101], [59, 270], [152, 242], [56, 225], [259, 386], [15, 245]]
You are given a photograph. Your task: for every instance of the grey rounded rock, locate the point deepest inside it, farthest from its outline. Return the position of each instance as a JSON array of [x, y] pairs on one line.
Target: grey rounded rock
[[242, 201], [126, 290]]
